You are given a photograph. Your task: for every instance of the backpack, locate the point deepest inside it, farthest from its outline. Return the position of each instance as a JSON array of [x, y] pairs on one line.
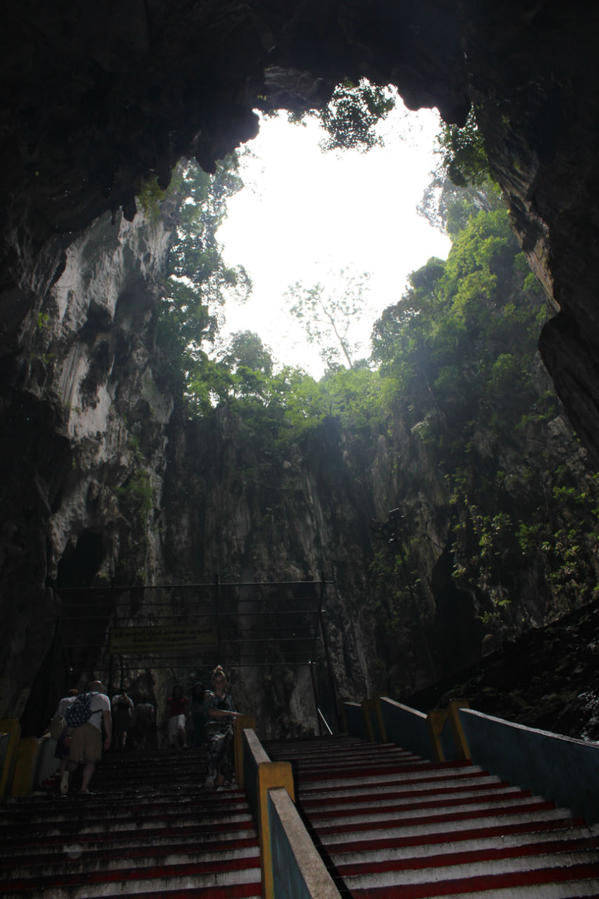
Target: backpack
[[79, 712]]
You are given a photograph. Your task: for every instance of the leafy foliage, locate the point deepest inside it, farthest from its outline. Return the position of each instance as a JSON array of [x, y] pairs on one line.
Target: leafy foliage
[[198, 281], [352, 114], [463, 154], [454, 370], [461, 345]]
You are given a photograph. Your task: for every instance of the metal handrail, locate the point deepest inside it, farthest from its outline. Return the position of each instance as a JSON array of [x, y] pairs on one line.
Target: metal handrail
[[324, 721]]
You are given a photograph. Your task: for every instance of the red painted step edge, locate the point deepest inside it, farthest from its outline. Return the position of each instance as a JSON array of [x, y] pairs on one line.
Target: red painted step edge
[[87, 854], [436, 819], [437, 790], [437, 779], [399, 769], [454, 836], [446, 860], [230, 891], [412, 806], [128, 874], [478, 885], [150, 833]]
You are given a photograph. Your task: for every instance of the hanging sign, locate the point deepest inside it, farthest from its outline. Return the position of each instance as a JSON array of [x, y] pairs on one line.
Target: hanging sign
[[165, 638]]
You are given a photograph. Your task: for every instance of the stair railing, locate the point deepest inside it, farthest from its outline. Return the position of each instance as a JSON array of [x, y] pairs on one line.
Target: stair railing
[[561, 768], [291, 864], [327, 726]]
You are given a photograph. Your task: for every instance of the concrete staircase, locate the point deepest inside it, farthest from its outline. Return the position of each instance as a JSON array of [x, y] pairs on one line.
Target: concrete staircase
[[391, 824], [150, 829]]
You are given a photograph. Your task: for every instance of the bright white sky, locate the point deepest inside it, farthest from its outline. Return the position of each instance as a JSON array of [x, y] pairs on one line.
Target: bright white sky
[[305, 214]]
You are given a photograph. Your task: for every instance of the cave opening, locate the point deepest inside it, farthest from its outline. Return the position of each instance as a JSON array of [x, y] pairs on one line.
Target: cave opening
[[349, 220], [81, 561], [73, 651]]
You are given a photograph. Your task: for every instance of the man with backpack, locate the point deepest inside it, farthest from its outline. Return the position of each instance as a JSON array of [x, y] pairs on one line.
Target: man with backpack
[[85, 717]]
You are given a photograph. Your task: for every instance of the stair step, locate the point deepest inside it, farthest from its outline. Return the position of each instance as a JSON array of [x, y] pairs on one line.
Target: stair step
[[149, 836], [557, 883], [422, 845], [127, 857], [450, 823], [230, 891], [363, 773], [333, 809], [49, 851], [90, 884], [570, 851], [170, 818], [426, 773], [409, 815], [346, 795], [88, 810]]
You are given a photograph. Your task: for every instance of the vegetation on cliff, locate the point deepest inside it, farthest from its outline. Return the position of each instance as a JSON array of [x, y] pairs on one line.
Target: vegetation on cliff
[[498, 508]]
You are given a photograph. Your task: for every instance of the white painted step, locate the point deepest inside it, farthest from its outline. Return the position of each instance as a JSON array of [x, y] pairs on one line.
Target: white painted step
[[439, 800], [379, 789], [421, 773], [148, 860], [70, 846], [568, 889], [486, 868], [158, 885], [342, 835], [426, 850], [396, 815]]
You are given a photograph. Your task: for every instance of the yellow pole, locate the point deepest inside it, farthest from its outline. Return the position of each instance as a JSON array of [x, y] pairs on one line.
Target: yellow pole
[[12, 728], [436, 722], [456, 726], [26, 757]]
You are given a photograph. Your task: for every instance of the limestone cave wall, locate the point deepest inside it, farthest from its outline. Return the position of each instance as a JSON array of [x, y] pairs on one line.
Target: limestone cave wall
[[84, 453], [98, 98]]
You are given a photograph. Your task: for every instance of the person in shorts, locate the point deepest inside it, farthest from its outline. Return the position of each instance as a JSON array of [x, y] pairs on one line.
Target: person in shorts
[[86, 742]]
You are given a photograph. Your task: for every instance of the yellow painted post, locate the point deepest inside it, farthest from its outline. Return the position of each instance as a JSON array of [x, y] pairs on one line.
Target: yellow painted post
[[270, 774], [456, 726], [379, 717], [12, 728], [366, 709], [240, 722], [26, 757], [436, 722]]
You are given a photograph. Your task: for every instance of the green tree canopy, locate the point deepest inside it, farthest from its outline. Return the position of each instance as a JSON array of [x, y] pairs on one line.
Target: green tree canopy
[[351, 116]]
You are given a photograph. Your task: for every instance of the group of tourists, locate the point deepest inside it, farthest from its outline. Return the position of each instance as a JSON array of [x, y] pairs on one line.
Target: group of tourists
[[87, 722]]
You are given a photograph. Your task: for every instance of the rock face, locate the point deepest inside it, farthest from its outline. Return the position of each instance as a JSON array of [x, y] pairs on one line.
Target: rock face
[[101, 97], [86, 448]]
